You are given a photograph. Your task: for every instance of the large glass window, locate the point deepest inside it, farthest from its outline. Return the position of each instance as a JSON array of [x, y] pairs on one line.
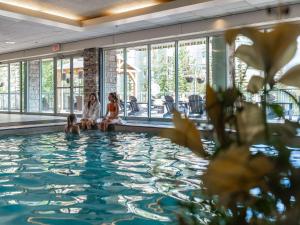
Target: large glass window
[[114, 77], [70, 85], [34, 86], [47, 86], [137, 81], [279, 96], [78, 84], [4, 87], [15, 86], [162, 80], [192, 77], [243, 73], [23, 79], [64, 85]]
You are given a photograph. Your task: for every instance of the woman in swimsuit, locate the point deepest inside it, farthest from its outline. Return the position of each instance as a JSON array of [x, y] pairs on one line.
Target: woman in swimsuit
[[112, 112]]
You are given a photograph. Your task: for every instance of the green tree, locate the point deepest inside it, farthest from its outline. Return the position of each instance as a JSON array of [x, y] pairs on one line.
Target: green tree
[[47, 76]]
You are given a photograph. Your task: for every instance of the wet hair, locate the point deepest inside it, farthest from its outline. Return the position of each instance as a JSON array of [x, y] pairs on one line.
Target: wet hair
[[71, 119], [114, 96], [89, 102]]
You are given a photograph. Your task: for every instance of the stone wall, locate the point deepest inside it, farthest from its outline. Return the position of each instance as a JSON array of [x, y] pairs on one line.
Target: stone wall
[[91, 72], [34, 86]]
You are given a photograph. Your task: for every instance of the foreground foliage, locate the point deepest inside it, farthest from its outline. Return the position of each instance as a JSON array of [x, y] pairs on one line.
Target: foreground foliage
[[241, 186]]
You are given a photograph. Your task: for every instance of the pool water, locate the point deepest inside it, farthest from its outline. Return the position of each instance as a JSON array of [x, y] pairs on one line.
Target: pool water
[[95, 179]]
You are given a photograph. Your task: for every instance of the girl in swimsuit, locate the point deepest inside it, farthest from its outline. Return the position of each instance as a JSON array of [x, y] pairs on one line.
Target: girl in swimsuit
[[112, 112], [72, 127]]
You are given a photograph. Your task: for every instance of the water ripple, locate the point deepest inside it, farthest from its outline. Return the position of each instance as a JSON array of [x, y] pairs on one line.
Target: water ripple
[[94, 179]]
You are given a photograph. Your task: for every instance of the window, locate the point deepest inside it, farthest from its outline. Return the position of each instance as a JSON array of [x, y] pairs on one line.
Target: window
[[15, 86], [34, 85], [192, 77], [4, 87], [137, 81], [114, 77], [153, 79], [23, 83], [291, 109], [78, 84], [47, 86], [162, 80], [64, 85], [70, 85], [243, 73]]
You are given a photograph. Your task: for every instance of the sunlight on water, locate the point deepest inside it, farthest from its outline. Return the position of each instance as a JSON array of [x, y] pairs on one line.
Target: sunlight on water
[[97, 179]]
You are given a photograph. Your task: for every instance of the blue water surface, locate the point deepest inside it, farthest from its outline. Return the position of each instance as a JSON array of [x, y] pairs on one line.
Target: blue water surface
[[95, 179]]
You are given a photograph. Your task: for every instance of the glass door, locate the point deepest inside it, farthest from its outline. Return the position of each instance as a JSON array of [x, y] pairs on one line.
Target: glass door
[[70, 86], [78, 96], [64, 85]]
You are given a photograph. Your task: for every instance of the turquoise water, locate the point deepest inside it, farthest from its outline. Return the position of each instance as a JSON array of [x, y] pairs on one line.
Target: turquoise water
[[96, 179]]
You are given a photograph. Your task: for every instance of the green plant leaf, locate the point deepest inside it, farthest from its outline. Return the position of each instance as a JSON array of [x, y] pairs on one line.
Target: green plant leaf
[[277, 109], [291, 77], [255, 84]]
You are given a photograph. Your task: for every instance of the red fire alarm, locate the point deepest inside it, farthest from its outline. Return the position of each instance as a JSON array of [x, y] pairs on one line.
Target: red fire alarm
[[56, 47]]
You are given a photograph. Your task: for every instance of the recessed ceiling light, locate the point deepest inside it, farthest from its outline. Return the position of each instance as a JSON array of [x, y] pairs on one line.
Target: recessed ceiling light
[[10, 42]]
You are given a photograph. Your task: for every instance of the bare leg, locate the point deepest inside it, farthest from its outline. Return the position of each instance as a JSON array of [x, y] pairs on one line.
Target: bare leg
[[101, 125], [89, 124], [83, 124]]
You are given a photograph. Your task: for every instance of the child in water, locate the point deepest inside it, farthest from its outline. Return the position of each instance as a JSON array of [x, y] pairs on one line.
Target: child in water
[[72, 127], [112, 112]]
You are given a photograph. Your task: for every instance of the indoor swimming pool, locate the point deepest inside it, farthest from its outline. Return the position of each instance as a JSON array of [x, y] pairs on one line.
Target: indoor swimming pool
[[95, 179]]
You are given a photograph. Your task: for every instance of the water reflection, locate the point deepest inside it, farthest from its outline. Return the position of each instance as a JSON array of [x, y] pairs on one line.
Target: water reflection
[[98, 179]]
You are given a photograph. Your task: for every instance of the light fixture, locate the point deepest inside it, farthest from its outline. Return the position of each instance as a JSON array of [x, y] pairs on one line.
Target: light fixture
[[220, 24], [10, 42], [135, 5], [42, 8]]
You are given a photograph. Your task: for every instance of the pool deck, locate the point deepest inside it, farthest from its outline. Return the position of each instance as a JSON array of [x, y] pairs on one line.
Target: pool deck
[[21, 124]]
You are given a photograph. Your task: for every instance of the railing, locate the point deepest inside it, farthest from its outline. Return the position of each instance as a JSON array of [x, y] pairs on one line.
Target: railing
[[279, 96]]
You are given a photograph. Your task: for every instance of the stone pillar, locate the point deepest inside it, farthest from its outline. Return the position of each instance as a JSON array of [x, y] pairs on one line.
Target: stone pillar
[[34, 86], [91, 72]]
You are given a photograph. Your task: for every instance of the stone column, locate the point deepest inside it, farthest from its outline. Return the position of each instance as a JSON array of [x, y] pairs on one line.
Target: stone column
[[91, 72]]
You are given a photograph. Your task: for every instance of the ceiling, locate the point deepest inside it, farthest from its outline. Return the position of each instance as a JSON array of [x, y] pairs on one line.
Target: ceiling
[[26, 24]]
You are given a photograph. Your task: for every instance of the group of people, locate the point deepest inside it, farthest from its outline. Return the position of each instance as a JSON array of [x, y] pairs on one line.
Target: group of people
[[91, 113]]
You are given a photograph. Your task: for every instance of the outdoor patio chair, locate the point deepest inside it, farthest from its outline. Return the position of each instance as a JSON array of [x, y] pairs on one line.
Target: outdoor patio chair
[[170, 106], [133, 105], [121, 106], [195, 106]]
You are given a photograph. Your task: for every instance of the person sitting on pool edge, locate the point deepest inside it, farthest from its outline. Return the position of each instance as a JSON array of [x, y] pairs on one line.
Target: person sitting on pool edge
[[112, 112], [72, 127], [91, 112]]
